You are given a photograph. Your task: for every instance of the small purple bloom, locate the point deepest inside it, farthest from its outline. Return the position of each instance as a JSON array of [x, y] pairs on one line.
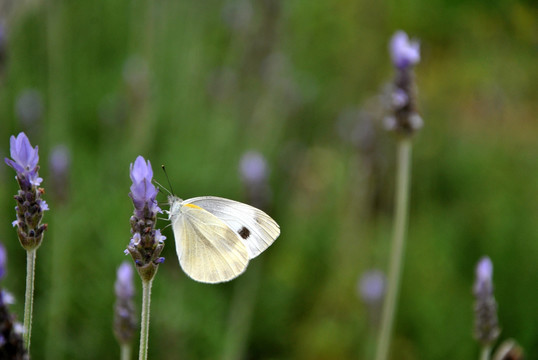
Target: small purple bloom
[[404, 53], [253, 167], [372, 286], [29, 107], [24, 161], [124, 285]]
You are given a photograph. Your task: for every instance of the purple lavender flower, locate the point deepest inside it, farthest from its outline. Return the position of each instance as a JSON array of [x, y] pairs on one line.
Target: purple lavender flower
[[3, 259], [30, 206], [404, 117], [59, 162], [372, 286], [404, 53], [253, 167], [29, 107], [124, 314], [486, 324], [254, 173], [147, 242]]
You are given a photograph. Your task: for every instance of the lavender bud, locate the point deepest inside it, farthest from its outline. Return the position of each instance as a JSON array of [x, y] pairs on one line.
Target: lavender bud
[[30, 206], [486, 324], [147, 242], [124, 314]]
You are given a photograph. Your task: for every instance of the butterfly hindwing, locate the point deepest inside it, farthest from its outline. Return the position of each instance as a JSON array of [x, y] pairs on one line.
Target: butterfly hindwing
[[208, 250], [256, 229]]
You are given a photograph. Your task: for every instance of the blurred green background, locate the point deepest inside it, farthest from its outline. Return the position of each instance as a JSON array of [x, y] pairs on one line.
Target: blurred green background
[[195, 84]]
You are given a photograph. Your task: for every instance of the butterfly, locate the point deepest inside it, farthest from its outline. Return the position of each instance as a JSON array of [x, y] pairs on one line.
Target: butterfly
[[216, 237]]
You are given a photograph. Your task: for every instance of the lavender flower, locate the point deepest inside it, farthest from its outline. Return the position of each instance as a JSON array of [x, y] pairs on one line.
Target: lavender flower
[[3, 259], [371, 286], [405, 54], [147, 242], [59, 161], [124, 316], [486, 325], [254, 172], [29, 107], [30, 206]]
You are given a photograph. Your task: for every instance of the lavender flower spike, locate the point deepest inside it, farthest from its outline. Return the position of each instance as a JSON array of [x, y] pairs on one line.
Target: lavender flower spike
[[486, 325], [147, 242], [404, 118], [404, 53], [30, 206], [124, 316]]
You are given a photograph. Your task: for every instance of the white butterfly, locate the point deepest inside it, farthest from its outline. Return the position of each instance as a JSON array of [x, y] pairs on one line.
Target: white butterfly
[[216, 237]]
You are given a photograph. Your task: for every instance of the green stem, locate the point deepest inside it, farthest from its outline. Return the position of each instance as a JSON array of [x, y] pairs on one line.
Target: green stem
[[125, 351], [29, 297], [398, 247], [144, 328], [484, 354]]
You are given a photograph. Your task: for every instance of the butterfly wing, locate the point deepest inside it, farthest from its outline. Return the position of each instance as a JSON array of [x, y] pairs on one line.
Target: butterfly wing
[[208, 250], [257, 229]]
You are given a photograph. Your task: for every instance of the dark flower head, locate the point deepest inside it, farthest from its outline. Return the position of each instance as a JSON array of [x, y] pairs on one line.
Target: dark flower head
[[24, 161], [404, 53], [143, 192]]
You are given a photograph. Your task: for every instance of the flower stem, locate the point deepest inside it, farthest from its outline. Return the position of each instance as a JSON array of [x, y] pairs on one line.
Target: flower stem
[[144, 328], [125, 352], [29, 297], [484, 354], [398, 247]]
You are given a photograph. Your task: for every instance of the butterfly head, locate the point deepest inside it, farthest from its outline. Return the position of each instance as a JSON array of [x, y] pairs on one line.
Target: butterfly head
[[175, 205]]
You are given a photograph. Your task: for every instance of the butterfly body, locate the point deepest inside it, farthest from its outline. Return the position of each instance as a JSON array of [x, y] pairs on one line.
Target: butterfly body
[[216, 237]]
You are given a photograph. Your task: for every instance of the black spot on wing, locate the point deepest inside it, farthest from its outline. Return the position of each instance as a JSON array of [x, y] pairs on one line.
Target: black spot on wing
[[244, 233]]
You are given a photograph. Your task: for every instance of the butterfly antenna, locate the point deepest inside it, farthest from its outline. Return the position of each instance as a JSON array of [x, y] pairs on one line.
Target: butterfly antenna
[[162, 187], [167, 179]]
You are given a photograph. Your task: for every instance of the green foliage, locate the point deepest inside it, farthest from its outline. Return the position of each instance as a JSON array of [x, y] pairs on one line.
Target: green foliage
[[172, 81]]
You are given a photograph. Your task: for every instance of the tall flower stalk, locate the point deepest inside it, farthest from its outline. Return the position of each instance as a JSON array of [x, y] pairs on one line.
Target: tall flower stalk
[[404, 121], [147, 242], [29, 209]]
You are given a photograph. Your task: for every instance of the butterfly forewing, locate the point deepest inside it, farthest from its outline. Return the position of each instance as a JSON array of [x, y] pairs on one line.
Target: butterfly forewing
[[256, 229], [208, 250]]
